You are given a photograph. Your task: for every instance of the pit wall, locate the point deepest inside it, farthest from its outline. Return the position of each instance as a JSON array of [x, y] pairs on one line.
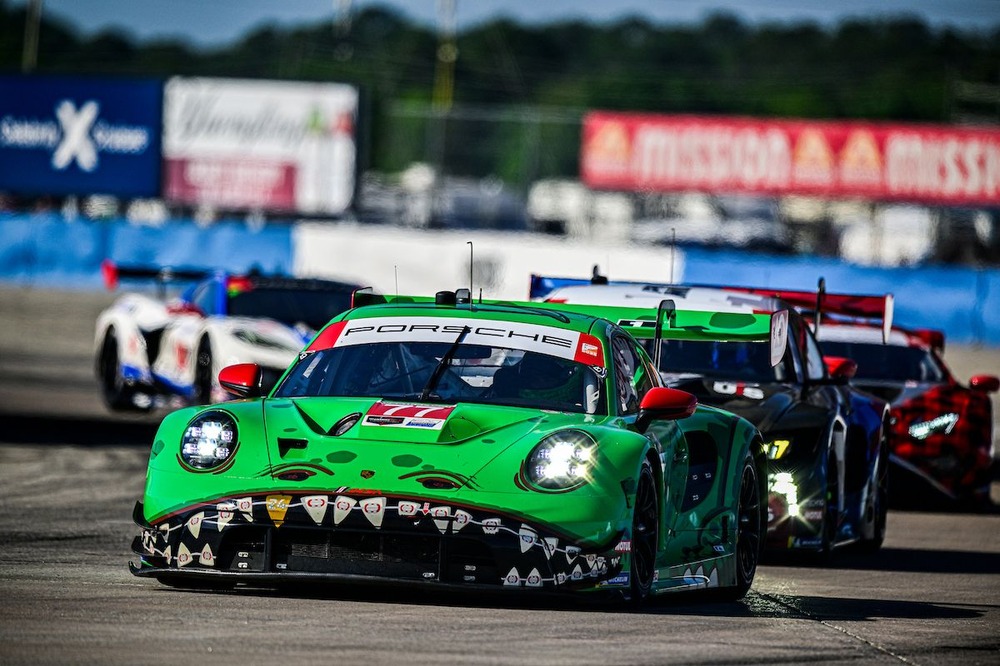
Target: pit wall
[[49, 251]]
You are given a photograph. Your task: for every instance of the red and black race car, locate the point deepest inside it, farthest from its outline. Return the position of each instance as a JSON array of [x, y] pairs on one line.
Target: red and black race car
[[942, 431]]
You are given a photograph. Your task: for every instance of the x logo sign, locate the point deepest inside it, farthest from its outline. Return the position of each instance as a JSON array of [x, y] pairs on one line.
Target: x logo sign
[[76, 143]]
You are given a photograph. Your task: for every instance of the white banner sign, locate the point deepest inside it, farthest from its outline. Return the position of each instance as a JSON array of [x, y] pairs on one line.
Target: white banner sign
[[266, 145]]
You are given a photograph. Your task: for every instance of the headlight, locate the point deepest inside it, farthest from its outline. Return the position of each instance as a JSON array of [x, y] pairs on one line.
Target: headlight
[[209, 440], [562, 460], [782, 483], [944, 423]]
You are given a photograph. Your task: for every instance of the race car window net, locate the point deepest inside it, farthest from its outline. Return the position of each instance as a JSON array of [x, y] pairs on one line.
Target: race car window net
[[474, 373]]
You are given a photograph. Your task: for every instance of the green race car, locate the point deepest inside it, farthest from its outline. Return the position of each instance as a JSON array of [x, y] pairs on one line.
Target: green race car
[[449, 443]]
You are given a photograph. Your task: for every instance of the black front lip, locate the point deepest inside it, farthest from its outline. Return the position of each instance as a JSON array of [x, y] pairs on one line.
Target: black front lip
[[435, 553]]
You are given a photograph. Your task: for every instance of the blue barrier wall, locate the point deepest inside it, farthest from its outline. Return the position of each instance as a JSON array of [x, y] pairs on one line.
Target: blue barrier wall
[[963, 302], [47, 250]]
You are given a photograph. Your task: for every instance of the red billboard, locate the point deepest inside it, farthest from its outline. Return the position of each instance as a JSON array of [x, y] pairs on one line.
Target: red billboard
[[926, 163]]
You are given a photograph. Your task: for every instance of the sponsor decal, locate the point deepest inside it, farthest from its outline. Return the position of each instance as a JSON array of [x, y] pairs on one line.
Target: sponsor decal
[[167, 554], [491, 525], [408, 508], [316, 506], [194, 523], [442, 517], [245, 505], [551, 545], [740, 389], [813, 515], [624, 546], [577, 573], [571, 553], [407, 415], [534, 579], [207, 557], [374, 510], [461, 519], [494, 333], [512, 577], [528, 538], [225, 514], [183, 556], [621, 579], [277, 507], [342, 506]]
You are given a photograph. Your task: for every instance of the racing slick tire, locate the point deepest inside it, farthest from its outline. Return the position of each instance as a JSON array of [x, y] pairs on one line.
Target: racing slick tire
[[117, 395], [750, 528], [203, 380], [645, 537], [880, 502]]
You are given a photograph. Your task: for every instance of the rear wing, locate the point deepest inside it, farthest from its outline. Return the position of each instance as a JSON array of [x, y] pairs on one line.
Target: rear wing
[[113, 273], [821, 302], [815, 303], [668, 323]]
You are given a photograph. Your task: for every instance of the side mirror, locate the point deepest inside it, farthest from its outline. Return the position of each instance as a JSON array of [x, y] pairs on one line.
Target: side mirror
[[985, 383], [840, 368], [664, 404], [242, 380]]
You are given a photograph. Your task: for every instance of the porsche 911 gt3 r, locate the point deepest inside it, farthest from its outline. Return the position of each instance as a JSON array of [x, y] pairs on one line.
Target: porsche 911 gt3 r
[[150, 351], [448, 443], [826, 439]]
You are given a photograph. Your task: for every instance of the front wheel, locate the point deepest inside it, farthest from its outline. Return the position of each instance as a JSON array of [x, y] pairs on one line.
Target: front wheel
[[748, 531], [645, 536]]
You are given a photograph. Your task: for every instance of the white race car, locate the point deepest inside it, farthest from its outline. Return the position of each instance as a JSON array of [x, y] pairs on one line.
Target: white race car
[[153, 352]]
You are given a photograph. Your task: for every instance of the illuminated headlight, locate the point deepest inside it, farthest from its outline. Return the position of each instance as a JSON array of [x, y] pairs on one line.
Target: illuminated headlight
[[783, 484], [562, 460], [944, 423], [209, 440]]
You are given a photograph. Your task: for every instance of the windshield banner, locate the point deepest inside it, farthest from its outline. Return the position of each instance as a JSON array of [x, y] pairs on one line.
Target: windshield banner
[[550, 340]]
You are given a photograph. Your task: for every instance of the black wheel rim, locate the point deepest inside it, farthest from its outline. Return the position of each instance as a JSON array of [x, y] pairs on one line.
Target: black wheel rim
[[748, 539], [644, 532]]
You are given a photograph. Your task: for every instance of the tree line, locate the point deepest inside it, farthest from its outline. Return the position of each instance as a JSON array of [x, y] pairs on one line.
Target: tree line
[[899, 69]]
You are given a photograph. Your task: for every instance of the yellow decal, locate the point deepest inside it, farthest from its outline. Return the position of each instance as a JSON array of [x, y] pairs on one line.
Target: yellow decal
[[277, 507], [777, 448]]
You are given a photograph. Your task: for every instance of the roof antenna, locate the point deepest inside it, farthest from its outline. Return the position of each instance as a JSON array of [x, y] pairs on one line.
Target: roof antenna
[[596, 277], [673, 244], [820, 293], [395, 272], [471, 267]]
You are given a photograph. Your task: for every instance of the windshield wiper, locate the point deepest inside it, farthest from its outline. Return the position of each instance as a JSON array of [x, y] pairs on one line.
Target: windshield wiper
[[443, 365]]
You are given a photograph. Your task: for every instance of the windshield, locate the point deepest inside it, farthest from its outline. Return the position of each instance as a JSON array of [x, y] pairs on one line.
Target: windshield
[[748, 361], [311, 307], [447, 372], [888, 362]]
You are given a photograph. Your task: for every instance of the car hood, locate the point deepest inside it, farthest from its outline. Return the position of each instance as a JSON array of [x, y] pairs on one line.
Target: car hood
[[760, 403], [398, 440]]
